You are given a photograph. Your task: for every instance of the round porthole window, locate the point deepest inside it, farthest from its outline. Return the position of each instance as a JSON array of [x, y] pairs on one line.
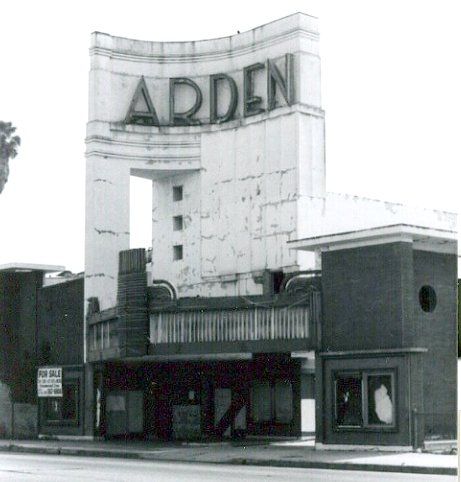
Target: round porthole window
[[427, 299]]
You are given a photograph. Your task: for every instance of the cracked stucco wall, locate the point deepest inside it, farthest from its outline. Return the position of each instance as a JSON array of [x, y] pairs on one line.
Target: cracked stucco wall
[[107, 226], [241, 178], [240, 209]]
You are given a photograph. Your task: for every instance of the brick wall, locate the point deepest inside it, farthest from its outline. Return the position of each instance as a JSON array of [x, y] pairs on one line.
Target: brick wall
[[367, 297], [18, 298], [437, 330], [60, 323]]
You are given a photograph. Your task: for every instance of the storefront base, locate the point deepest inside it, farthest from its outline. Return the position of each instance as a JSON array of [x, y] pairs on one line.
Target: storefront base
[[268, 395]]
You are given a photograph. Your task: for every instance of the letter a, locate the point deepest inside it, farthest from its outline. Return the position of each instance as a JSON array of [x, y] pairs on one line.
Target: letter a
[[147, 116]]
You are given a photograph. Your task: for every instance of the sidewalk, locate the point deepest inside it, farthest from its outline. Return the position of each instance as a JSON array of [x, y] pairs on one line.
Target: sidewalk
[[250, 452]]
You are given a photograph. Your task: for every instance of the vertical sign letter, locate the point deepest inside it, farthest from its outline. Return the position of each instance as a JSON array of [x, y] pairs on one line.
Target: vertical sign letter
[[143, 117], [184, 118], [250, 101], [214, 79], [275, 79]]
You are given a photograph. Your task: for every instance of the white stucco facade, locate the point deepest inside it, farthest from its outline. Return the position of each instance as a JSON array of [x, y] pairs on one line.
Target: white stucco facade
[[249, 184], [241, 179]]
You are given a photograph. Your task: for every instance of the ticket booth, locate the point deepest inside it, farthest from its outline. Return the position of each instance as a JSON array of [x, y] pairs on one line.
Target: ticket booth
[[387, 357]]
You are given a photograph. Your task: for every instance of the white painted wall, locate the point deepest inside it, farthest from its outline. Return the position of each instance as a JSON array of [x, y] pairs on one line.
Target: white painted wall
[[241, 179], [308, 415], [336, 213]]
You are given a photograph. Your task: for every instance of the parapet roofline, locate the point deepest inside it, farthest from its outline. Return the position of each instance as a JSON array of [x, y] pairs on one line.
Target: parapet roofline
[[205, 49], [423, 238], [29, 267], [287, 18]]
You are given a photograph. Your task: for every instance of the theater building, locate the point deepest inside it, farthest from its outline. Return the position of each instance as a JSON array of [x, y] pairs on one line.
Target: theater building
[[250, 314]]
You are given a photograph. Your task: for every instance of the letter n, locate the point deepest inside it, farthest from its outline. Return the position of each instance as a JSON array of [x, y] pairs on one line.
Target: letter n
[[275, 79], [147, 116]]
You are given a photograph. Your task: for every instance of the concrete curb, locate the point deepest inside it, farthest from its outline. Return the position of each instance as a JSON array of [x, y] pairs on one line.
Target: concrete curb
[[414, 469], [152, 456]]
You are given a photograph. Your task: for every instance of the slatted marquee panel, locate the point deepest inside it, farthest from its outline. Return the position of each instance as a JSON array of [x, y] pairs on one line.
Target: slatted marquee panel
[[245, 324]]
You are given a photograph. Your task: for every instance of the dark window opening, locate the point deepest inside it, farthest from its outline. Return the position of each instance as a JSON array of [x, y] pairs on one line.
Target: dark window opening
[[272, 402], [177, 193], [53, 409], [63, 409], [277, 280], [427, 299], [349, 401], [283, 401], [365, 399], [177, 223], [261, 407], [177, 252]]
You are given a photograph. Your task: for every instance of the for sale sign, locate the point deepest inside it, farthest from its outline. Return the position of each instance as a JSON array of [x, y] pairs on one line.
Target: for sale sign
[[49, 382]]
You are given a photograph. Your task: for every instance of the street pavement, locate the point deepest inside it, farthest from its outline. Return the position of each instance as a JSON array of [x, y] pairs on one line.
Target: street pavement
[[51, 468], [290, 454]]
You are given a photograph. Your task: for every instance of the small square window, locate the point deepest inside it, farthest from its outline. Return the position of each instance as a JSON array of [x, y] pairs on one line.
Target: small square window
[[177, 252], [177, 223], [177, 193]]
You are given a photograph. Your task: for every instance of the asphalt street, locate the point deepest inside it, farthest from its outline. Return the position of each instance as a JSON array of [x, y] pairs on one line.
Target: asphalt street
[[57, 468]]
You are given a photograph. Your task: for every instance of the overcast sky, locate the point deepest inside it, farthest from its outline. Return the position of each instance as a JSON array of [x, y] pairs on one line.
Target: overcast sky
[[391, 80]]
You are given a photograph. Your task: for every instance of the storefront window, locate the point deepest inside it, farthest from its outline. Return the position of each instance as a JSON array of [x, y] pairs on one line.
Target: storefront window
[[53, 409], [261, 402], [364, 399], [380, 400], [349, 401], [65, 408], [272, 402], [283, 402]]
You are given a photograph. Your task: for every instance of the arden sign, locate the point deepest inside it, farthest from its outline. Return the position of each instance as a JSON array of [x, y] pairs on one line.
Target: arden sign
[[252, 104], [49, 382]]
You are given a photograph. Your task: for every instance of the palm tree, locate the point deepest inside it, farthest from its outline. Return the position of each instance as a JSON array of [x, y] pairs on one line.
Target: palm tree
[[8, 150]]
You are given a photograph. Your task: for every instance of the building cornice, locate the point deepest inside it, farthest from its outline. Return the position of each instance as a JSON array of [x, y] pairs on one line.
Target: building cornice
[[295, 26], [423, 238]]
